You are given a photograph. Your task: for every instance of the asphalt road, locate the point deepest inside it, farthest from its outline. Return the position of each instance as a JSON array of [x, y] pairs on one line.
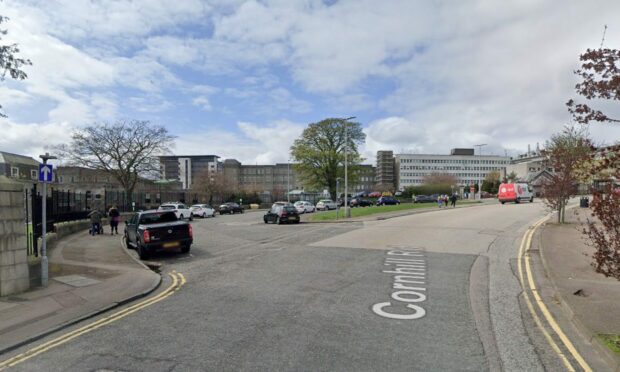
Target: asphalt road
[[434, 291]]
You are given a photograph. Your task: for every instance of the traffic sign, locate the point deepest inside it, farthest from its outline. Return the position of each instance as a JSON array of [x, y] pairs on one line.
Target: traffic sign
[[46, 172]]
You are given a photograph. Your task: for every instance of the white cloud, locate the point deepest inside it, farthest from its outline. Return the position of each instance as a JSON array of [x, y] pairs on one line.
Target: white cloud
[[202, 102], [33, 139]]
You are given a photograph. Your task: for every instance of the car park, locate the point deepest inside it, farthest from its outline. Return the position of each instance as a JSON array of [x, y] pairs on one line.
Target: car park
[[304, 207], [359, 202], [151, 231], [424, 199], [325, 205], [230, 208], [282, 214], [202, 210], [387, 200], [180, 209]]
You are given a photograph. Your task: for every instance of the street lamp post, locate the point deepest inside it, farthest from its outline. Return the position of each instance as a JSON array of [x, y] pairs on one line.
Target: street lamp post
[[288, 182], [479, 170], [347, 211], [337, 204], [44, 262]]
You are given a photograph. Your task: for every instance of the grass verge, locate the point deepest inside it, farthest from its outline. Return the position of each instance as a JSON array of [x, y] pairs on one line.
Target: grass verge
[[612, 342], [367, 211]]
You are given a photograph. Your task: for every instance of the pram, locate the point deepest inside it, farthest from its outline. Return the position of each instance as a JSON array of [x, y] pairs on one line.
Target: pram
[[98, 228]]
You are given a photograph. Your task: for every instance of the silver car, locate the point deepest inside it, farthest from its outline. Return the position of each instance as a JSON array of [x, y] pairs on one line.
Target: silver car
[[304, 207], [325, 205]]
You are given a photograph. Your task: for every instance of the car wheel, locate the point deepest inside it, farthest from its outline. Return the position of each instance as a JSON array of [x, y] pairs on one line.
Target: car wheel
[[221, 213], [502, 203], [181, 217], [185, 248], [213, 214], [264, 219], [518, 200], [191, 216], [278, 221], [127, 242], [204, 215], [142, 252], [532, 199]]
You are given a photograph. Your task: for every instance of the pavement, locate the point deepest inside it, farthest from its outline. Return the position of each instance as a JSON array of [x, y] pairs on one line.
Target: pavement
[[88, 275], [588, 299]]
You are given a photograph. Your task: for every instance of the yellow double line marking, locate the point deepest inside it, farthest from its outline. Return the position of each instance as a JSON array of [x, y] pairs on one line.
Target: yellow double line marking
[[524, 260], [178, 280]]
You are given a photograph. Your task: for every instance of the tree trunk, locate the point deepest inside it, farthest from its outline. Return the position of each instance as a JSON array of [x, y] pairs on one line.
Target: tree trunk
[[560, 212]]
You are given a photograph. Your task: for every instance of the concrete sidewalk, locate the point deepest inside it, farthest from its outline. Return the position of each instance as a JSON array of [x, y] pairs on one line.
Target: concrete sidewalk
[[590, 300], [88, 275]]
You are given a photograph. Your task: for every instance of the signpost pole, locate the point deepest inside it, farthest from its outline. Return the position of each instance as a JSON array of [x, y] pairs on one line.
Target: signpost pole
[[45, 176], [44, 263]]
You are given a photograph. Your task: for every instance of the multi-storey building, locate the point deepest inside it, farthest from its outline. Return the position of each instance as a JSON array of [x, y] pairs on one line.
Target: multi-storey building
[[366, 178], [466, 167], [261, 178], [187, 168], [386, 170]]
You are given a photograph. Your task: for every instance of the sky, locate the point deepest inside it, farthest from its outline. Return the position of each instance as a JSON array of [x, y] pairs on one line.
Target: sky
[[242, 79]]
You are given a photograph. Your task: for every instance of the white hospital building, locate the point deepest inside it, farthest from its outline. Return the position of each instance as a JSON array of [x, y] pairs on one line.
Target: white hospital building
[[468, 168]]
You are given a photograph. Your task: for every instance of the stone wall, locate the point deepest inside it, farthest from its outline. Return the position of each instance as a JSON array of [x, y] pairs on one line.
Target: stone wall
[[14, 277]]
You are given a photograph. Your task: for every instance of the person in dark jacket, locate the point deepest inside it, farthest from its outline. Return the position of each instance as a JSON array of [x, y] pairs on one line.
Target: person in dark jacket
[[115, 217], [453, 200], [95, 221]]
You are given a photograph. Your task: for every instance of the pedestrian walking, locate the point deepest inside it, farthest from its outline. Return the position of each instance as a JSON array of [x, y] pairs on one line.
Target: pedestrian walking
[[115, 218], [439, 201], [453, 200], [95, 221], [446, 199]]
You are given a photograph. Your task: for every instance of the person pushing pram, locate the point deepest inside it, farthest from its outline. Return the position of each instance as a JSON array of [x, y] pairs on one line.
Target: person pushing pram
[[95, 222]]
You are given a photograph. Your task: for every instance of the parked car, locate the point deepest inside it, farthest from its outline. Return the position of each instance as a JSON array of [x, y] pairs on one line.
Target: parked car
[[180, 209], [304, 207], [152, 231], [374, 194], [280, 203], [282, 214], [359, 202], [325, 205], [387, 200], [424, 199], [230, 208], [202, 210]]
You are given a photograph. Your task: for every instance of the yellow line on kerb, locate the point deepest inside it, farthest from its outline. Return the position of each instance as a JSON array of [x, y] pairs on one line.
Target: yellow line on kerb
[[524, 259], [177, 282]]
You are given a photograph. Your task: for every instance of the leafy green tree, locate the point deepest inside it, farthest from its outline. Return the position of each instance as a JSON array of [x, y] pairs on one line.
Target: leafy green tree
[[9, 62], [511, 177], [491, 182], [320, 153]]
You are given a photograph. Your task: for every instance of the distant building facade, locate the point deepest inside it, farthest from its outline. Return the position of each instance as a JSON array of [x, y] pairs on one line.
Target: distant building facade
[[19, 167], [187, 168], [466, 167], [386, 172]]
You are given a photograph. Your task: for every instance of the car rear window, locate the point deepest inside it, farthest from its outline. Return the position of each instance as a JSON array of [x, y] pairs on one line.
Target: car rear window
[[290, 209], [166, 207], [151, 218]]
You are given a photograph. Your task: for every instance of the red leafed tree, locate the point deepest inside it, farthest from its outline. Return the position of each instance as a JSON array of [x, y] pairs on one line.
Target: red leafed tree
[[600, 81], [565, 152]]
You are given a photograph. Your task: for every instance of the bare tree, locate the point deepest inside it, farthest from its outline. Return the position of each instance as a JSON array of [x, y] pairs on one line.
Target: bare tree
[[213, 186], [9, 62], [600, 81], [126, 150], [566, 152]]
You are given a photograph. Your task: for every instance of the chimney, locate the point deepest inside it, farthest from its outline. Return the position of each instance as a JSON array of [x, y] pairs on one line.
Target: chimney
[[529, 150]]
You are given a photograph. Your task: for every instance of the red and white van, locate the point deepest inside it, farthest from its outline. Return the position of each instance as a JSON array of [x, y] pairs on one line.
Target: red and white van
[[515, 192]]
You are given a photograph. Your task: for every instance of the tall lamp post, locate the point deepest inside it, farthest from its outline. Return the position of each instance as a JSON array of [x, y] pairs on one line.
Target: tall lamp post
[[479, 170], [347, 211], [44, 262], [288, 182]]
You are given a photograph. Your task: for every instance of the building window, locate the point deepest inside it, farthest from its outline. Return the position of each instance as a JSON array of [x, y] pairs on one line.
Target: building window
[[34, 174], [14, 172]]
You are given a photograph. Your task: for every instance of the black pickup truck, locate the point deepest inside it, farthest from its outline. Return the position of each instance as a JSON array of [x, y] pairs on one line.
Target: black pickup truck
[[152, 231]]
